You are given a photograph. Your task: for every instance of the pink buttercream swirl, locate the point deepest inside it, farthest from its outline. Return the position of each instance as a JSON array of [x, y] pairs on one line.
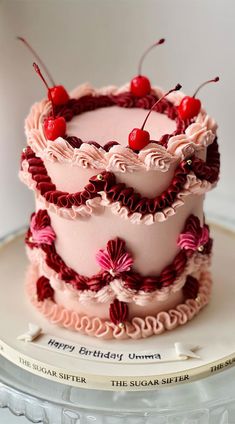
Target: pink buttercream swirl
[[114, 259], [156, 158], [41, 230], [196, 138], [135, 328], [195, 237]]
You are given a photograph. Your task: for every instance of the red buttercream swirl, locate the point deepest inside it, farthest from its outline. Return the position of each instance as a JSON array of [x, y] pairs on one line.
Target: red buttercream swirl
[[118, 312], [210, 170], [44, 290], [191, 288]]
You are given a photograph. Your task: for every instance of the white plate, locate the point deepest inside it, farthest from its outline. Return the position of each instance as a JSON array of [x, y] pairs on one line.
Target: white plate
[[212, 330]]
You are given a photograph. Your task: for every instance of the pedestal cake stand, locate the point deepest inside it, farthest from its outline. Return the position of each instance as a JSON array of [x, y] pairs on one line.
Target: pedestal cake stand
[[50, 383]]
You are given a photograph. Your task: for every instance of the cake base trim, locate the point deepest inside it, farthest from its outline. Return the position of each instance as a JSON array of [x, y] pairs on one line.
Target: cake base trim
[[135, 329]]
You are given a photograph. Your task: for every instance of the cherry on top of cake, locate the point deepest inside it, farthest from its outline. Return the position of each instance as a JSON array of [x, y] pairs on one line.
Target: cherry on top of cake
[[106, 120], [140, 138], [56, 93], [190, 107], [140, 85], [111, 117]]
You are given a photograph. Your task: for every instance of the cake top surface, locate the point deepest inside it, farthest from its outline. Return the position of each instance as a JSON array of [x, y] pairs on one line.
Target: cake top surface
[[114, 123], [98, 122]]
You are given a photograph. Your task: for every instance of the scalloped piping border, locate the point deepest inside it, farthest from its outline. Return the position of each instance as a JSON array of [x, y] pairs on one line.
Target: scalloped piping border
[[197, 136], [193, 185], [135, 329]]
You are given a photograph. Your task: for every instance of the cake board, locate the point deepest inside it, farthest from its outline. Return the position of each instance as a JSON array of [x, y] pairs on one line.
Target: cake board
[[212, 332]]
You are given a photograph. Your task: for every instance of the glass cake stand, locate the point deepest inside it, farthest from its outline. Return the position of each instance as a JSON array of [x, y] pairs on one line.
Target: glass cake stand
[[205, 401]]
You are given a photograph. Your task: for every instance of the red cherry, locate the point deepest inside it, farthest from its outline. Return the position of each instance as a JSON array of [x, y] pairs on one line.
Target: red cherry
[[54, 128], [140, 85], [190, 107], [59, 95], [138, 137]]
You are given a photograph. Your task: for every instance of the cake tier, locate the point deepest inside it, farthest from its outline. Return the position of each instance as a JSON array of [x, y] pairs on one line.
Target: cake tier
[[118, 292], [153, 246], [119, 234]]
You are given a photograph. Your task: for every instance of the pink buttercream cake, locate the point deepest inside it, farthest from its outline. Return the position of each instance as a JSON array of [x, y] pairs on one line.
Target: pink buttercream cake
[[118, 244]]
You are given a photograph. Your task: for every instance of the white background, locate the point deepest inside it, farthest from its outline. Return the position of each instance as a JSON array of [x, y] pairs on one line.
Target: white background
[[100, 41]]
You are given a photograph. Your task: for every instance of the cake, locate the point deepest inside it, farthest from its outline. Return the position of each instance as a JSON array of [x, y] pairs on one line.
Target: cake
[[118, 243]]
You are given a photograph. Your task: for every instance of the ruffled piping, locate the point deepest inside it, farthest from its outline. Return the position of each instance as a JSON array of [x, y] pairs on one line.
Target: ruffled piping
[[135, 329], [200, 179], [193, 185]]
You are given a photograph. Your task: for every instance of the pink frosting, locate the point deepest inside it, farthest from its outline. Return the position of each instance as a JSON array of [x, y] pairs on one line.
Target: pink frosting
[[196, 137], [119, 158], [136, 328], [188, 240], [34, 126], [103, 124], [41, 235], [107, 264]]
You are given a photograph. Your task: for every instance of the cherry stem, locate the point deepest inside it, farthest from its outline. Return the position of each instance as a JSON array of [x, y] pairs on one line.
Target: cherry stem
[[25, 42], [177, 87], [216, 79], [37, 69], [161, 41]]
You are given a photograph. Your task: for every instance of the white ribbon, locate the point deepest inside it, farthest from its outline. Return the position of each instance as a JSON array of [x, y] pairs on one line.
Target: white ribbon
[[186, 351], [32, 334], [178, 352]]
